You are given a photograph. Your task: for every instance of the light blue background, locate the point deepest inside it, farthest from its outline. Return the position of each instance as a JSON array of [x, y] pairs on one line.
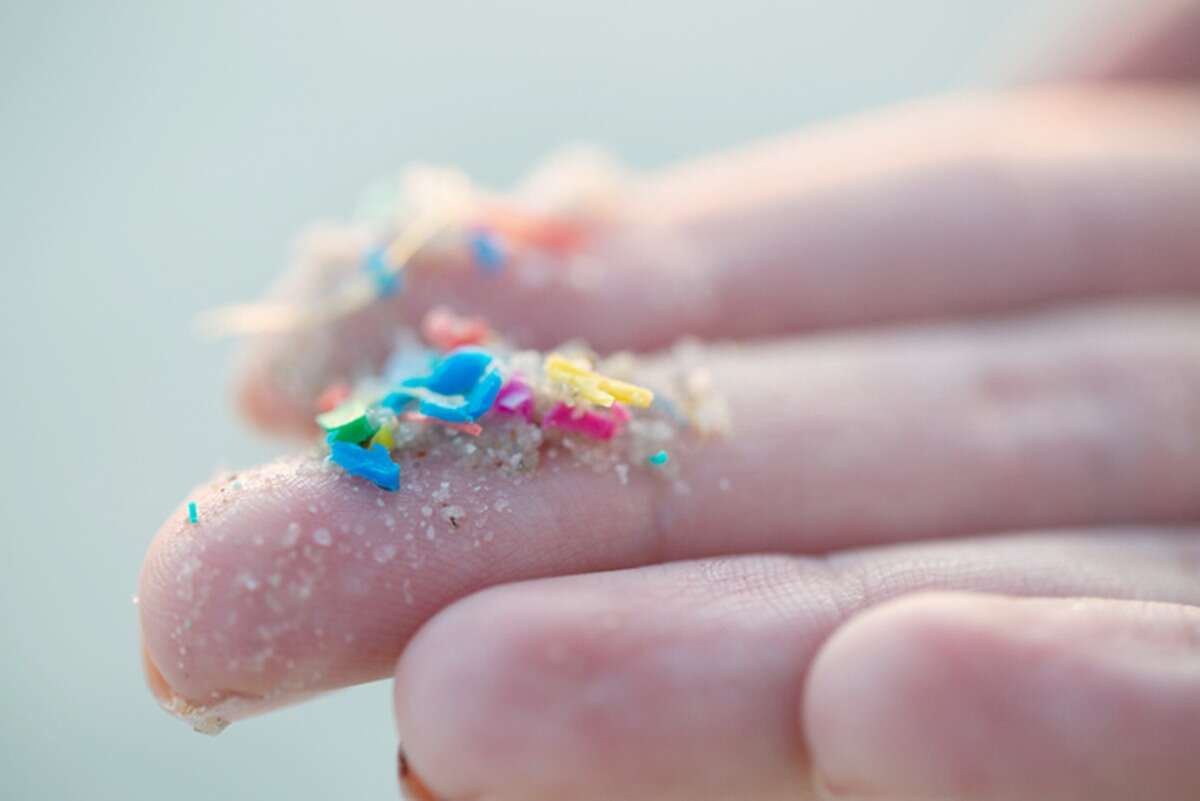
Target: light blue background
[[157, 157]]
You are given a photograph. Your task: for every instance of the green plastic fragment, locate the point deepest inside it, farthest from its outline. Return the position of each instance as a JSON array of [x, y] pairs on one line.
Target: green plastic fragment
[[659, 458], [348, 422]]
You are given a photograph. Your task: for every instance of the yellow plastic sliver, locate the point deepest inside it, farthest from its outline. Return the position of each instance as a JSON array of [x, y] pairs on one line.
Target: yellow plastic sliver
[[600, 390], [383, 437]]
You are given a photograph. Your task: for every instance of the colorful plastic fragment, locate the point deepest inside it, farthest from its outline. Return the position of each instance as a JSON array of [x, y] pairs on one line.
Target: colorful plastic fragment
[[471, 407], [596, 425], [600, 390], [456, 373], [386, 281], [446, 330], [487, 250], [451, 412], [462, 386], [347, 423], [484, 393], [334, 395], [474, 429], [538, 231], [192, 516], [372, 463], [398, 400], [515, 397], [658, 459], [384, 438]]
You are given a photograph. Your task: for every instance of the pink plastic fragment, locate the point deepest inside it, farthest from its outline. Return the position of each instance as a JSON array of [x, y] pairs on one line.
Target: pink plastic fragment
[[446, 330], [474, 429], [543, 232], [589, 423], [516, 397], [333, 396]]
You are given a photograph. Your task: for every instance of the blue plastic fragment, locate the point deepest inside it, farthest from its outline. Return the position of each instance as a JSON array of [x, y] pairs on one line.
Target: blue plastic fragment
[[456, 373], [386, 281], [483, 395], [192, 516], [659, 458], [472, 407], [398, 400], [465, 380], [372, 463], [488, 251], [451, 413]]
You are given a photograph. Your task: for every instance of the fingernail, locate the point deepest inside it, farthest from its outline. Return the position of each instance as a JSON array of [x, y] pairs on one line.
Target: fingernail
[[154, 679], [212, 717], [411, 787], [203, 718]]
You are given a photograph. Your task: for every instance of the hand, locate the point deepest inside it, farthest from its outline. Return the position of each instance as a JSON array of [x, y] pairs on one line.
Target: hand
[[732, 637]]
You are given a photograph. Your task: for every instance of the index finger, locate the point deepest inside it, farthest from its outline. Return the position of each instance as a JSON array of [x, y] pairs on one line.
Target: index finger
[[296, 578]]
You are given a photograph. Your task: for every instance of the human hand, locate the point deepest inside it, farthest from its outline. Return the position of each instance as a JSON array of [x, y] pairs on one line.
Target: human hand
[[737, 641]]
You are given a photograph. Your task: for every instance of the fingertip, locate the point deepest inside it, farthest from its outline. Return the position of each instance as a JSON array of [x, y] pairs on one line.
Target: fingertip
[[277, 375], [986, 697], [230, 602], [174, 595], [155, 681], [412, 786], [895, 699], [261, 400], [499, 696], [459, 698], [254, 397], [295, 578]]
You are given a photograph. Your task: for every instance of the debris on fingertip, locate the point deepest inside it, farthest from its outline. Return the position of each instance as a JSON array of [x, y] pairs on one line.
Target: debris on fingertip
[[491, 406], [435, 217], [426, 446], [454, 386]]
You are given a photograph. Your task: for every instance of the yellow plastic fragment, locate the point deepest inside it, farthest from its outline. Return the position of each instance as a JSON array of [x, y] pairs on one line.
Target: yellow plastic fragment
[[383, 437], [600, 390]]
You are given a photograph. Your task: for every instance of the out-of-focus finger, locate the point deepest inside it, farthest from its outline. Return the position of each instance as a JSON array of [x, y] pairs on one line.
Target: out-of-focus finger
[[982, 698], [1144, 41], [955, 207], [683, 681]]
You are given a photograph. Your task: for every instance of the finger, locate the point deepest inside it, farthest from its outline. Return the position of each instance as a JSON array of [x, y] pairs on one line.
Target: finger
[[1155, 41], [996, 699], [683, 681], [947, 208], [298, 578]]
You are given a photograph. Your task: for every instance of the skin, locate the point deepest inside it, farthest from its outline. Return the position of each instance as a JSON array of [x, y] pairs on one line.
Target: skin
[[951, 553]]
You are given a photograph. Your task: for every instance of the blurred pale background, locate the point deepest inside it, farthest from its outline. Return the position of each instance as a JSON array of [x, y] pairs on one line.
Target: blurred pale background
[[158, 157]]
